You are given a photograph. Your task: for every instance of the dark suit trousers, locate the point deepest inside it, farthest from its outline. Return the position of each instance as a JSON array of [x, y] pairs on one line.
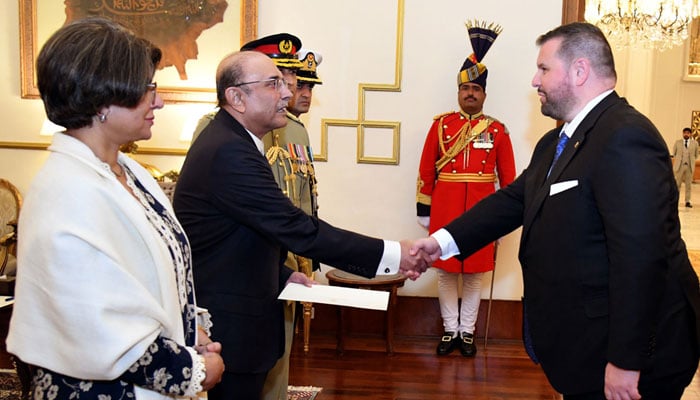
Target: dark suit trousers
[[238, 387]]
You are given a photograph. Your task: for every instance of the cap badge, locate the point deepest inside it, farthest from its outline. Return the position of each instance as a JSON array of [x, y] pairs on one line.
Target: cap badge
[[286, 46]]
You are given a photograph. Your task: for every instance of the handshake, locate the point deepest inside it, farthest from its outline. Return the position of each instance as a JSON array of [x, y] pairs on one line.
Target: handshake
[[418, 255]]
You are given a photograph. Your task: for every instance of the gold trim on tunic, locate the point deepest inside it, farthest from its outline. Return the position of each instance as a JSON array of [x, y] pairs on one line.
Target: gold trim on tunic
[[466, 177]]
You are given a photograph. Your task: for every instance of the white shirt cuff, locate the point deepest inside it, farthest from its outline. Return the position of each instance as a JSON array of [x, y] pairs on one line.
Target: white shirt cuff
[[447, 243], [391, 258]]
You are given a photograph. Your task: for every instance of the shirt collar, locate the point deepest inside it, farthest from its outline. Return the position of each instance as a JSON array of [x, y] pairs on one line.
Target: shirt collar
[[258, 142], [570, 127]]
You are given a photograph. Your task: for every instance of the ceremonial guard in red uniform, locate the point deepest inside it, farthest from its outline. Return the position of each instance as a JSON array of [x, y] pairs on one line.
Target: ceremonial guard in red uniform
[[465, 154]]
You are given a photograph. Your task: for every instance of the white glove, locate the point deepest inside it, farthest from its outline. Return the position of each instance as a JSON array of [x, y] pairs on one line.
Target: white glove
[[424, 222]]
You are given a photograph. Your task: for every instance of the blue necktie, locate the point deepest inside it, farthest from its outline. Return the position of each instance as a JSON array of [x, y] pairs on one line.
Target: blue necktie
[[563, 138], [560, 147]]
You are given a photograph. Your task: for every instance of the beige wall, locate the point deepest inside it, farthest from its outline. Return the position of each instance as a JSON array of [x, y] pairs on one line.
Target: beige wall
[[358, 43]]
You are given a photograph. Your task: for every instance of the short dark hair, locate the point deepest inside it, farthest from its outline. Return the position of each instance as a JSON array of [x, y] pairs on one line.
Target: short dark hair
[[93, 63], [686, 129], [583, 39]]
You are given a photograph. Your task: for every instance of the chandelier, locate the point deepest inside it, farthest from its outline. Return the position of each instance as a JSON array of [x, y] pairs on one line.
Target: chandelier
[[650, 24]]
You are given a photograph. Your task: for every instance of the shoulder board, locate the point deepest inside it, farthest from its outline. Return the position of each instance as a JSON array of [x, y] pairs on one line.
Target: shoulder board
[[437, 117], [495, 120]]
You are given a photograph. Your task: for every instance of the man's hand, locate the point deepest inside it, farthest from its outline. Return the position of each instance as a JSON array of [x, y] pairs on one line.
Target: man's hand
[[300, 277], [621, 384], [428, 246], [412, 264]]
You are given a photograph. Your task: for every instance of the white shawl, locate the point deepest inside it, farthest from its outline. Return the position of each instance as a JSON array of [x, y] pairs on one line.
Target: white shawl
[[95, 283]]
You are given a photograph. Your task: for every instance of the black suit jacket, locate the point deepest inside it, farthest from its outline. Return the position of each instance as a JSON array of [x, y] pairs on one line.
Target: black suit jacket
[[606, 273], [240, 226]]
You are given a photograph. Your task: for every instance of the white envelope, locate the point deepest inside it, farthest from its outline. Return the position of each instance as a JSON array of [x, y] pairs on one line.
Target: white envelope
[[337, 295], [562, 186]]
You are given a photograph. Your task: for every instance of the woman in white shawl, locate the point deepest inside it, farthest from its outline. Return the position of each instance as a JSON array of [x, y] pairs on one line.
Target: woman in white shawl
[[105, 305]]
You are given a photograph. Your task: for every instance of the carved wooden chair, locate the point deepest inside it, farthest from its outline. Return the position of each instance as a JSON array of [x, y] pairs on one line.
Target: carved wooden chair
[[167, 182], [10, 204]]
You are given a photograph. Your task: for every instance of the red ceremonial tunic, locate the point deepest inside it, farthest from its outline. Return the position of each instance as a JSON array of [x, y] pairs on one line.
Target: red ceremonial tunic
[[473, 152]]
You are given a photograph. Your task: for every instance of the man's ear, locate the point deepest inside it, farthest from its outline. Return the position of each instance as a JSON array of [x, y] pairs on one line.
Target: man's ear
[[581, 68], [235, 98]]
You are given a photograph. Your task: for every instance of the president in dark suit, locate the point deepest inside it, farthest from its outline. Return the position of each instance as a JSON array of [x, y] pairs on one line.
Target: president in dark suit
[[241, 225], [611, 300]]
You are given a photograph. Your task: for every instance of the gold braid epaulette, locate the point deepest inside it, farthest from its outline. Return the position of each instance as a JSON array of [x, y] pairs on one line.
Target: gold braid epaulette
[[466, 135], [443, 115], [276, 152]]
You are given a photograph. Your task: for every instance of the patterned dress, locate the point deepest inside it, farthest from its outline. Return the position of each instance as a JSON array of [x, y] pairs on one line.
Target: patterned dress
[[166, 367]]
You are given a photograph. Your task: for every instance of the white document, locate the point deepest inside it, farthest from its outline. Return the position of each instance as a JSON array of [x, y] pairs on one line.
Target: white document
[[6, 301], [562, 186], [337, 295]]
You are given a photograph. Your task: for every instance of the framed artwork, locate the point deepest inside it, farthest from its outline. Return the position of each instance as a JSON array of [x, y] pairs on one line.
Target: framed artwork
[[695, 124], [691, 63], [194, 36]]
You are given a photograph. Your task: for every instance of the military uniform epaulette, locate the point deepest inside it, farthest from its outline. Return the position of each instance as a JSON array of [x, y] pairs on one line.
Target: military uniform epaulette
[[294, 118], [505, 129], [437, 117]]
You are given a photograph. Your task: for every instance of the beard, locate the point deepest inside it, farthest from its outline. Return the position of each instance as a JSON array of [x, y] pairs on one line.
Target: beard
[[558, 101]]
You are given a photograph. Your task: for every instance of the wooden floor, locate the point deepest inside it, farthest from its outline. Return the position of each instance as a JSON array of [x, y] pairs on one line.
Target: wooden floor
[[414, 372]]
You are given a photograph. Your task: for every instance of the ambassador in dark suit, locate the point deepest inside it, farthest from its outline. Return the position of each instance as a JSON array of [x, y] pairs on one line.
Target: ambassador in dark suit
[[241, 225], [611, 300]]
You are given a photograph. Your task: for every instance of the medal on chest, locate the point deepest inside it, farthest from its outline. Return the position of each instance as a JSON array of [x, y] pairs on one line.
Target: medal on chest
[[483, 141]]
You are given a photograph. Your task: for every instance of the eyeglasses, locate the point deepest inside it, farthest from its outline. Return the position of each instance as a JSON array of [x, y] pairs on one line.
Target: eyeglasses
[[276, 83], [152, 88]]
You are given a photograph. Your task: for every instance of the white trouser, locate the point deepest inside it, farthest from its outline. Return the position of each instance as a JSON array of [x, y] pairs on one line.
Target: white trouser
[[452, 319]]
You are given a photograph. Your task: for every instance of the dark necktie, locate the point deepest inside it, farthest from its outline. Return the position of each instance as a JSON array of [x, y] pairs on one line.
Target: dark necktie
[[686, 143], [563, 138], [560, 147]]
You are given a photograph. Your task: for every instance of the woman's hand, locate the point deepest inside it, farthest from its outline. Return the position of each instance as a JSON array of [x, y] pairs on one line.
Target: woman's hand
[[214, 365], [205, 344]]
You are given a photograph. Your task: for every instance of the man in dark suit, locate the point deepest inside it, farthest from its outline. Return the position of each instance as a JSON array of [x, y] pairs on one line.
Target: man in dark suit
[[240, 226], [611, 301]]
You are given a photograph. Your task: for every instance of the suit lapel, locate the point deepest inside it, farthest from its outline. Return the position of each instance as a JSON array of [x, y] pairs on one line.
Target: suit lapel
[[537, 188], [540, 192]]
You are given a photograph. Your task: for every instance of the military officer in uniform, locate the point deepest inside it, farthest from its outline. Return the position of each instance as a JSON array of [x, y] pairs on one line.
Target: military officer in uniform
[[465, 154], [288, 149]]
